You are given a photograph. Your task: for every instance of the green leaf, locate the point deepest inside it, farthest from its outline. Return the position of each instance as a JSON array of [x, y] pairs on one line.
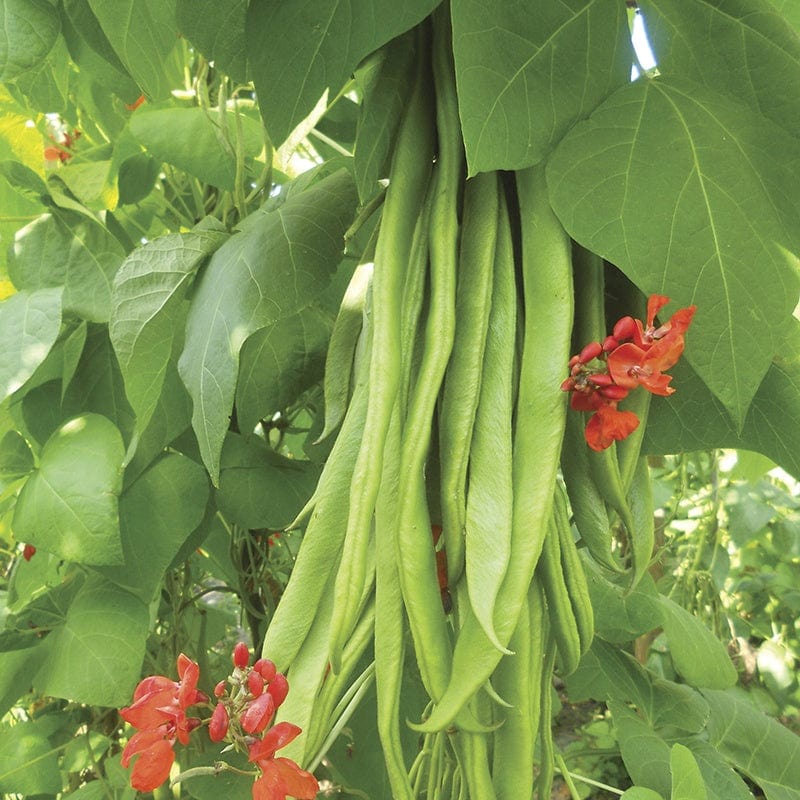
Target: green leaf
[[29, 325], [217, 29], [258, 488], [622, 615], [772, 425], [739, 47], [96, 657], [645, 753], [789, 10], [687, 781], [157, 513], [28, 31], [16, 458], [694, 221], [16, 669], [298, 50], [606, 671], [696, 653], [147, 310], [67, 250], [189, 139], [385, 81], [69, 505], [268, 272], [722, 783], [277, 364], [640, 793], [520, 84], [143, 35], [90, 49], [28, 761], [756, 744], [46, 86], [98, 385]]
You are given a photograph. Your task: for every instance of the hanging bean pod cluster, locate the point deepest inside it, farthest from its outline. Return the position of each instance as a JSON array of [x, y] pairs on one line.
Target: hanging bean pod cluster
[[450, 513]]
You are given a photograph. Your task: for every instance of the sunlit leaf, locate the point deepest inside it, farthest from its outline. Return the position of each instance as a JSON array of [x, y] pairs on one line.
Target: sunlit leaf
[[146, 310], [269, 271], [29, 325], [96, 657], [69, 504], [696, 653], [687, 781], [759, 746], [691, 202], [28, 761], [520, 84]]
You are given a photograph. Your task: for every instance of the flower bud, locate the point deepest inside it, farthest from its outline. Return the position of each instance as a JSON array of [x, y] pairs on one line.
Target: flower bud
[[218, 726], [265, 668], [241, 655], [219, 689], [568, 385], [278, 688], [255, 683], [573, 361], [257, 715], [28, 552], [609, 344], [592, 350], [625, 329], [601, 379]]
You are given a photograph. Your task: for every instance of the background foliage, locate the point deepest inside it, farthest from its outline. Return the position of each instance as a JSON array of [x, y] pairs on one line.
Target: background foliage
[[186, 188]]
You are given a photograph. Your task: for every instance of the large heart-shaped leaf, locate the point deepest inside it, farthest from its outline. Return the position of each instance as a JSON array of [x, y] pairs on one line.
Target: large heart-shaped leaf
[[275, 267], [70, 251], [96, 657], [759, 746], [218, 30], [772, 425], [188, 138], [28, 760], [527, 71], [29, 325], [740, 47], [157, 513], [69, 505], [298, 50], [28, 30], [692, 204], [146, 310], [687, 781], [143, 35]]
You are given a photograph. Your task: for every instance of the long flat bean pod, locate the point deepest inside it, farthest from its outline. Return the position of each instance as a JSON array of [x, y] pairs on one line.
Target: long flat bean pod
[[462, 382], [540, 417], [490, 497], [415, 556], [406, 194]]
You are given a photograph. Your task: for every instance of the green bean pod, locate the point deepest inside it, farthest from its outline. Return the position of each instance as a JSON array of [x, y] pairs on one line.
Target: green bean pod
[[588, 506], [544, 781], [563, 624], [490, 496], [462, 382], [572, 572], [640, 502], [540, 417], [341, 349], [406, 195], [415, 554]]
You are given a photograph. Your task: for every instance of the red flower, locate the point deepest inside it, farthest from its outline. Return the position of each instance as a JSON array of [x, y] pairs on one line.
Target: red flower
[[608, 425], [159, 712], [218, 726], [280, 777], [635, 354]]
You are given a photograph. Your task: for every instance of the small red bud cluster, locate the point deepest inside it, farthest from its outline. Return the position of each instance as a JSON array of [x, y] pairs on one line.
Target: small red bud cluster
[[635, 354]]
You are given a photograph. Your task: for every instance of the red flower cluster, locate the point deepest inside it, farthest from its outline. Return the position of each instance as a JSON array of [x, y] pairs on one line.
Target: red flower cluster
[[247, 709], [635, 354], [243, 715], [61, 151], [159, 713]]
